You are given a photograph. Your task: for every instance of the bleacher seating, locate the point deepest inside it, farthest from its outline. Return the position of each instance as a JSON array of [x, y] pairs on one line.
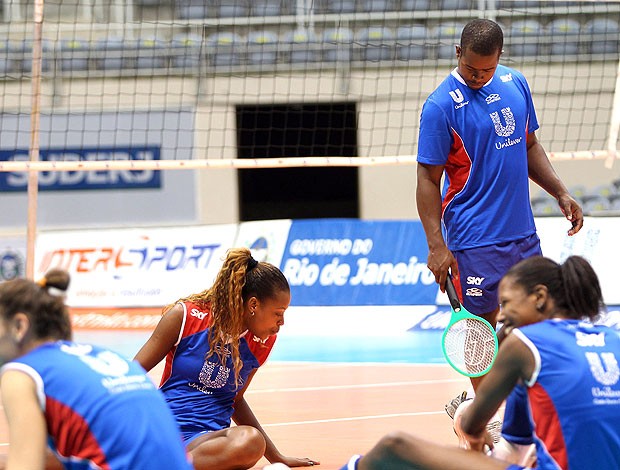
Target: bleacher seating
[[6, 62], [340, 6], [411, 42], [366, 35], [503, 4], [546, 207], [448, 35], [233, 8], [415, 5], [605, 191], [565, 34], [22, 51], [115, 53], [378, 6], [596, 206], [578, 191], [615, 203], [523, 38], [151, 53], [602, 36], [300, 47], [186, 51], [337, 44], [262, 47], [74, 54], [223, 49], [192, 9], [268, 7], [454, 5], [376, 43], [603, 199], [524, 5]]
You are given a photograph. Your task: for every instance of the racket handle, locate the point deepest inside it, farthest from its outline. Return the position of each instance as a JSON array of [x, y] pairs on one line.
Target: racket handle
[[452, 295]]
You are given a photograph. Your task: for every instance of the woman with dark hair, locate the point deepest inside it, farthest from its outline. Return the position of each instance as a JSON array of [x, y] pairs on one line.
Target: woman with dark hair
[[568, 366], [213, 343], [93, 408]]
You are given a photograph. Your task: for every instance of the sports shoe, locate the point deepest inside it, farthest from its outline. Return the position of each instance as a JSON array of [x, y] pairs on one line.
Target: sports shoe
[[454, 404], [494, 427], [515, 454]]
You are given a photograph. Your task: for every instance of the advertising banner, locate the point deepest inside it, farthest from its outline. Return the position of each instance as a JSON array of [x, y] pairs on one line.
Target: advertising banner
[[69, 180], [354, 262], [266, 239], [596, 242], [12, 258], [105, 197], [135, 267], [121, 278]]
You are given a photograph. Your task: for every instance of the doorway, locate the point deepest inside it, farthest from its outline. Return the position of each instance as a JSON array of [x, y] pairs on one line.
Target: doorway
[[297, 130]]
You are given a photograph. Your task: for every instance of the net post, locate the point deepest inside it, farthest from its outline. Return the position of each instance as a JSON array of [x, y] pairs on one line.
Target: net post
[[614, 125], [35, 117]]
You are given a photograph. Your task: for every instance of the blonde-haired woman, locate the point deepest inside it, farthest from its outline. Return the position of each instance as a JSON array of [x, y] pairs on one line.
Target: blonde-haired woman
[[213, 343]]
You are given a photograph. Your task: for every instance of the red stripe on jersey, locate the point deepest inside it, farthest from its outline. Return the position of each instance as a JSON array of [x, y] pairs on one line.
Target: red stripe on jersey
[[548, 427], [458, 168], [196, 320], [259, 349], [71, 434]]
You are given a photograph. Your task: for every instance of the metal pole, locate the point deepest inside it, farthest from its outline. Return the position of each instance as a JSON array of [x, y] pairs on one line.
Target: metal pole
[[35, 114]]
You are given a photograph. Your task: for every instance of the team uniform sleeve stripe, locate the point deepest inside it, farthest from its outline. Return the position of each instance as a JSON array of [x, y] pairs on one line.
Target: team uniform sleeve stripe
[[260, 350], [33, 374], [182, 324], [72, 436], [537, 362], [458, 169], [352, 463]]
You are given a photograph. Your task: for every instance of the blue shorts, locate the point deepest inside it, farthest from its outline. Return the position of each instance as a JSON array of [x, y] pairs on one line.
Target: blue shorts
[[481, 269], [190, 436]]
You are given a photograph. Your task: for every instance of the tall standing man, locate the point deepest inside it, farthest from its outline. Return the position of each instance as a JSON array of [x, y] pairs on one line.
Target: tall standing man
[[478, 133]]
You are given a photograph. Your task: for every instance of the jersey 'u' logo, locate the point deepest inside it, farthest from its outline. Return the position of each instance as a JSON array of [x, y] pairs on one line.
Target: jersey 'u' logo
[[500, 129], [213, 375], [607, 374], [457, 96]]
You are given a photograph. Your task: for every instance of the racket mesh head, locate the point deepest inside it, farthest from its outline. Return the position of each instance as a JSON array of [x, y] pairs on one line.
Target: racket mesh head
[[470, 346]]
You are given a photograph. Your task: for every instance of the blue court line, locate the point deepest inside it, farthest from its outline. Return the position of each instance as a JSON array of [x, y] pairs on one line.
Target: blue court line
[[419, 347]]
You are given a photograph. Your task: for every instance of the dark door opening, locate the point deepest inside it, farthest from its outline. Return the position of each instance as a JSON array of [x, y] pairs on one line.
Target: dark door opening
[[297, 130]]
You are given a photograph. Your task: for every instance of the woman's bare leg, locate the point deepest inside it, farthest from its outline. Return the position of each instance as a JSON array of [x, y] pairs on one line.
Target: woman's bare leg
[[238, 447]]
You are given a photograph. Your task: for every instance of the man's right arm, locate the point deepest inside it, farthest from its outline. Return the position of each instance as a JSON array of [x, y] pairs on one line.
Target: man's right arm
[[428, 200]]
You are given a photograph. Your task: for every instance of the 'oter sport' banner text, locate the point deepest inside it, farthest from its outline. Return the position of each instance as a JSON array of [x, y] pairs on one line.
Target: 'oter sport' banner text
[[135, 267]]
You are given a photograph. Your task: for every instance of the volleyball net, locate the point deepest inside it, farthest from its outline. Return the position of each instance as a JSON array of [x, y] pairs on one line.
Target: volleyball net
[[132, 87], [267, 83]]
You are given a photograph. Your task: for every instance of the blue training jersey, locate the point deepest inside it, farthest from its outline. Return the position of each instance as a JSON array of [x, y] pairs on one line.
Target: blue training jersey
[[480, 137], [201, 391], [574, 394], [102, 411]]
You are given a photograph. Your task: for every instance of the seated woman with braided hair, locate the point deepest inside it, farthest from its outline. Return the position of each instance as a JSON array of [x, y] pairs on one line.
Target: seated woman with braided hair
[[88, 406], [213, 343], [567, 365]]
